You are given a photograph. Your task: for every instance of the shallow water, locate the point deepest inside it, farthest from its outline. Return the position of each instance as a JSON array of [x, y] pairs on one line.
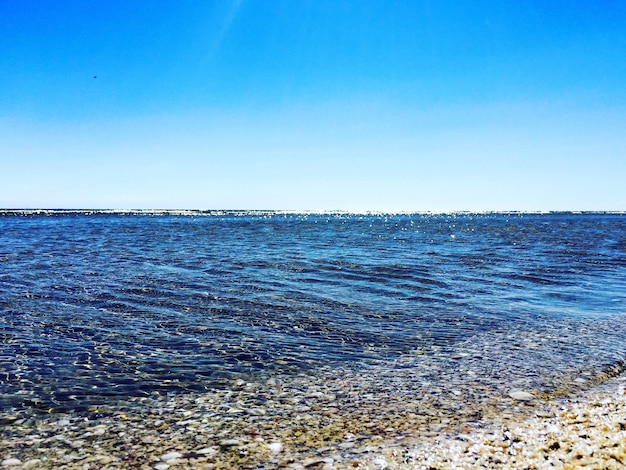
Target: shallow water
[[98, 307]]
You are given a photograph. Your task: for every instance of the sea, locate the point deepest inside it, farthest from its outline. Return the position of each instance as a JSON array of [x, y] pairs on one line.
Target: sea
[[102, 307]]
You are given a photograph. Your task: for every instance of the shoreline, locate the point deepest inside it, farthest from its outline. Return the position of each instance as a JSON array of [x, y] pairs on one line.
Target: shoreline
[[300, 424]]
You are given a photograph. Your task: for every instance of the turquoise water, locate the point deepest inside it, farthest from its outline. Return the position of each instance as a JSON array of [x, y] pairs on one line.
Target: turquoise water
[[98, 307]]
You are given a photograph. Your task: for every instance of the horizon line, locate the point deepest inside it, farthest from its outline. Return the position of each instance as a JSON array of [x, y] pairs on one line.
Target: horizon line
[[156, 211]]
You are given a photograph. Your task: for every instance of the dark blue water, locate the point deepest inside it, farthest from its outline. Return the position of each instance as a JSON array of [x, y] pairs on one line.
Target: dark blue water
[[97, 306]]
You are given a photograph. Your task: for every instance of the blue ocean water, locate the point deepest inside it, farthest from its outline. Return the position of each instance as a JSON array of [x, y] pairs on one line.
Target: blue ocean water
[[101, 306]]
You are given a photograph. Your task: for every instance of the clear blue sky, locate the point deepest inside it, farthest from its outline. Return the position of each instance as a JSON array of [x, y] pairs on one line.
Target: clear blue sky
[[328, 104]]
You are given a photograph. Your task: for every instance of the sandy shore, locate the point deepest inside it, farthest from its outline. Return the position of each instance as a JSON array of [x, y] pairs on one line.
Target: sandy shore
[[247, 427]]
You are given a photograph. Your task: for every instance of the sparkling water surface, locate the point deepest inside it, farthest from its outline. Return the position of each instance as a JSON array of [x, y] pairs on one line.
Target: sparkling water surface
[[98, 306]]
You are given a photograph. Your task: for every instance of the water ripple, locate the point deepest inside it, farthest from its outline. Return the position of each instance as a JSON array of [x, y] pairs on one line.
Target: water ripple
[[102, 306]]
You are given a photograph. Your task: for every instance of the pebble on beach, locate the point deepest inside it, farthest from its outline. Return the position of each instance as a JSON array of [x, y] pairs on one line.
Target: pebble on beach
[[171, 456], [521, 395], [275, 447], [11, 462]]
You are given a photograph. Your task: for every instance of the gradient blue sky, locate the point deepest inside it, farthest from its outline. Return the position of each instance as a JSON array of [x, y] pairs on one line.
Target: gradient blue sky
[[318, 105]]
